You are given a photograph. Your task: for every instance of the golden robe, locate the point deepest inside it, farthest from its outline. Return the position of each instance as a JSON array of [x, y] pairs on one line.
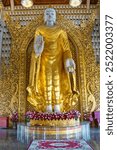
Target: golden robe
[[49, 82]]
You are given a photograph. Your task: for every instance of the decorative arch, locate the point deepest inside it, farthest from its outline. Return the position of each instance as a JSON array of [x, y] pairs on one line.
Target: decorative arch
[[80, 39]]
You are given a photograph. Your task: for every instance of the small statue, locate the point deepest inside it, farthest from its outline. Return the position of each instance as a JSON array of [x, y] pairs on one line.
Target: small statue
[[14, 100], [91, 99], [51, 63]]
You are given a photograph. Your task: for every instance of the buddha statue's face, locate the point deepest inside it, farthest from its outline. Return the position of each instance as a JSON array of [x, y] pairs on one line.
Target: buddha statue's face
[[50, 16]]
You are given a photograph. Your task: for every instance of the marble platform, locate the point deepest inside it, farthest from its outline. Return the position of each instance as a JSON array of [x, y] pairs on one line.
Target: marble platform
[[8, 140], [27, 133]]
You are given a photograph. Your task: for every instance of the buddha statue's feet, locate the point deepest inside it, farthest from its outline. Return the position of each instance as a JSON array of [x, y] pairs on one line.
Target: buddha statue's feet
[[49, 108], [57, 108]]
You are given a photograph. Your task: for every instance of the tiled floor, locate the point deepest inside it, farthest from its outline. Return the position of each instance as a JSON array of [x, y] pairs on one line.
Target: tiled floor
[[8, 140]]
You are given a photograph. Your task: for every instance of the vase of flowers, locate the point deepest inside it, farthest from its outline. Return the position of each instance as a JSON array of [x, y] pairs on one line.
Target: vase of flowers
[[27, 118], [14, 119]]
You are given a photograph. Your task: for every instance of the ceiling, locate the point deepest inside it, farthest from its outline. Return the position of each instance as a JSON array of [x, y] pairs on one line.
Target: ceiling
[[44, 2]]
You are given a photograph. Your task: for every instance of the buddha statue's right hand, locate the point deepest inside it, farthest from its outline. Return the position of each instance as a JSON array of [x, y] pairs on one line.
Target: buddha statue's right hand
[[38, 45]]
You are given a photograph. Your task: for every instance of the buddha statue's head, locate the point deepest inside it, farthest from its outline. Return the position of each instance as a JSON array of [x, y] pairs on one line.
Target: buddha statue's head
[[50, 16]]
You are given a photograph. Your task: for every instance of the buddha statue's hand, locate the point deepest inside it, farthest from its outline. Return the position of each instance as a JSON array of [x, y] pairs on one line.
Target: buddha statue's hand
[[70, 65], [38, 45]]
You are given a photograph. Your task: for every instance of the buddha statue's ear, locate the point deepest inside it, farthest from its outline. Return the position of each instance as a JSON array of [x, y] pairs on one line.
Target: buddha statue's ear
[[57, 16]]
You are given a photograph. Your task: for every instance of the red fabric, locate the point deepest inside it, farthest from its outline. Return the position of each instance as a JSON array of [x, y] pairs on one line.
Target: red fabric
[[4, 122]]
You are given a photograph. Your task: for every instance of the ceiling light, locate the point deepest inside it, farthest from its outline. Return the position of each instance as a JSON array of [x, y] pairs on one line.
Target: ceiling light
[[27, 3], [75, 3]]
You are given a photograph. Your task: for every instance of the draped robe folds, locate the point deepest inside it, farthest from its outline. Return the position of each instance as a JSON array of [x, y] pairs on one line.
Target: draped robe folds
[[48, 69]]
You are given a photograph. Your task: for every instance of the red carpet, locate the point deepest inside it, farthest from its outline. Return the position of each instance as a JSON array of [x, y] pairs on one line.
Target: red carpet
[[59, 145]]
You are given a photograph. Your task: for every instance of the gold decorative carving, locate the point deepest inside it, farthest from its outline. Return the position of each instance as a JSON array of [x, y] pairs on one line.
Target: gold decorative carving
[[16, 75], [91, 99]]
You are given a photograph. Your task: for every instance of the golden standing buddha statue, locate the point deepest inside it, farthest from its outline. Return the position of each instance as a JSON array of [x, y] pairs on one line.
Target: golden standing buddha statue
[[51, 62]]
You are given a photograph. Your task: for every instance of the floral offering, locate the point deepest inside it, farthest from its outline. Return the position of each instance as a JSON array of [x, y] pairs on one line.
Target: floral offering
[[73, 114], [14, 117]]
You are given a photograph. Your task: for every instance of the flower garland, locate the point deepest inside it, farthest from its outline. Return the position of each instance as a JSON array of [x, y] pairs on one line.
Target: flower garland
[[73, 114]]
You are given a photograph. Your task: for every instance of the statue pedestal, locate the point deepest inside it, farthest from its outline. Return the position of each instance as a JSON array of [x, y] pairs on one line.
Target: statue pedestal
[[56, 123], [26, 134]]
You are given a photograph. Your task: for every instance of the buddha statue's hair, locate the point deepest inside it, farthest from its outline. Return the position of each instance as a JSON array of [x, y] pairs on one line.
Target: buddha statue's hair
[[49, 9]]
